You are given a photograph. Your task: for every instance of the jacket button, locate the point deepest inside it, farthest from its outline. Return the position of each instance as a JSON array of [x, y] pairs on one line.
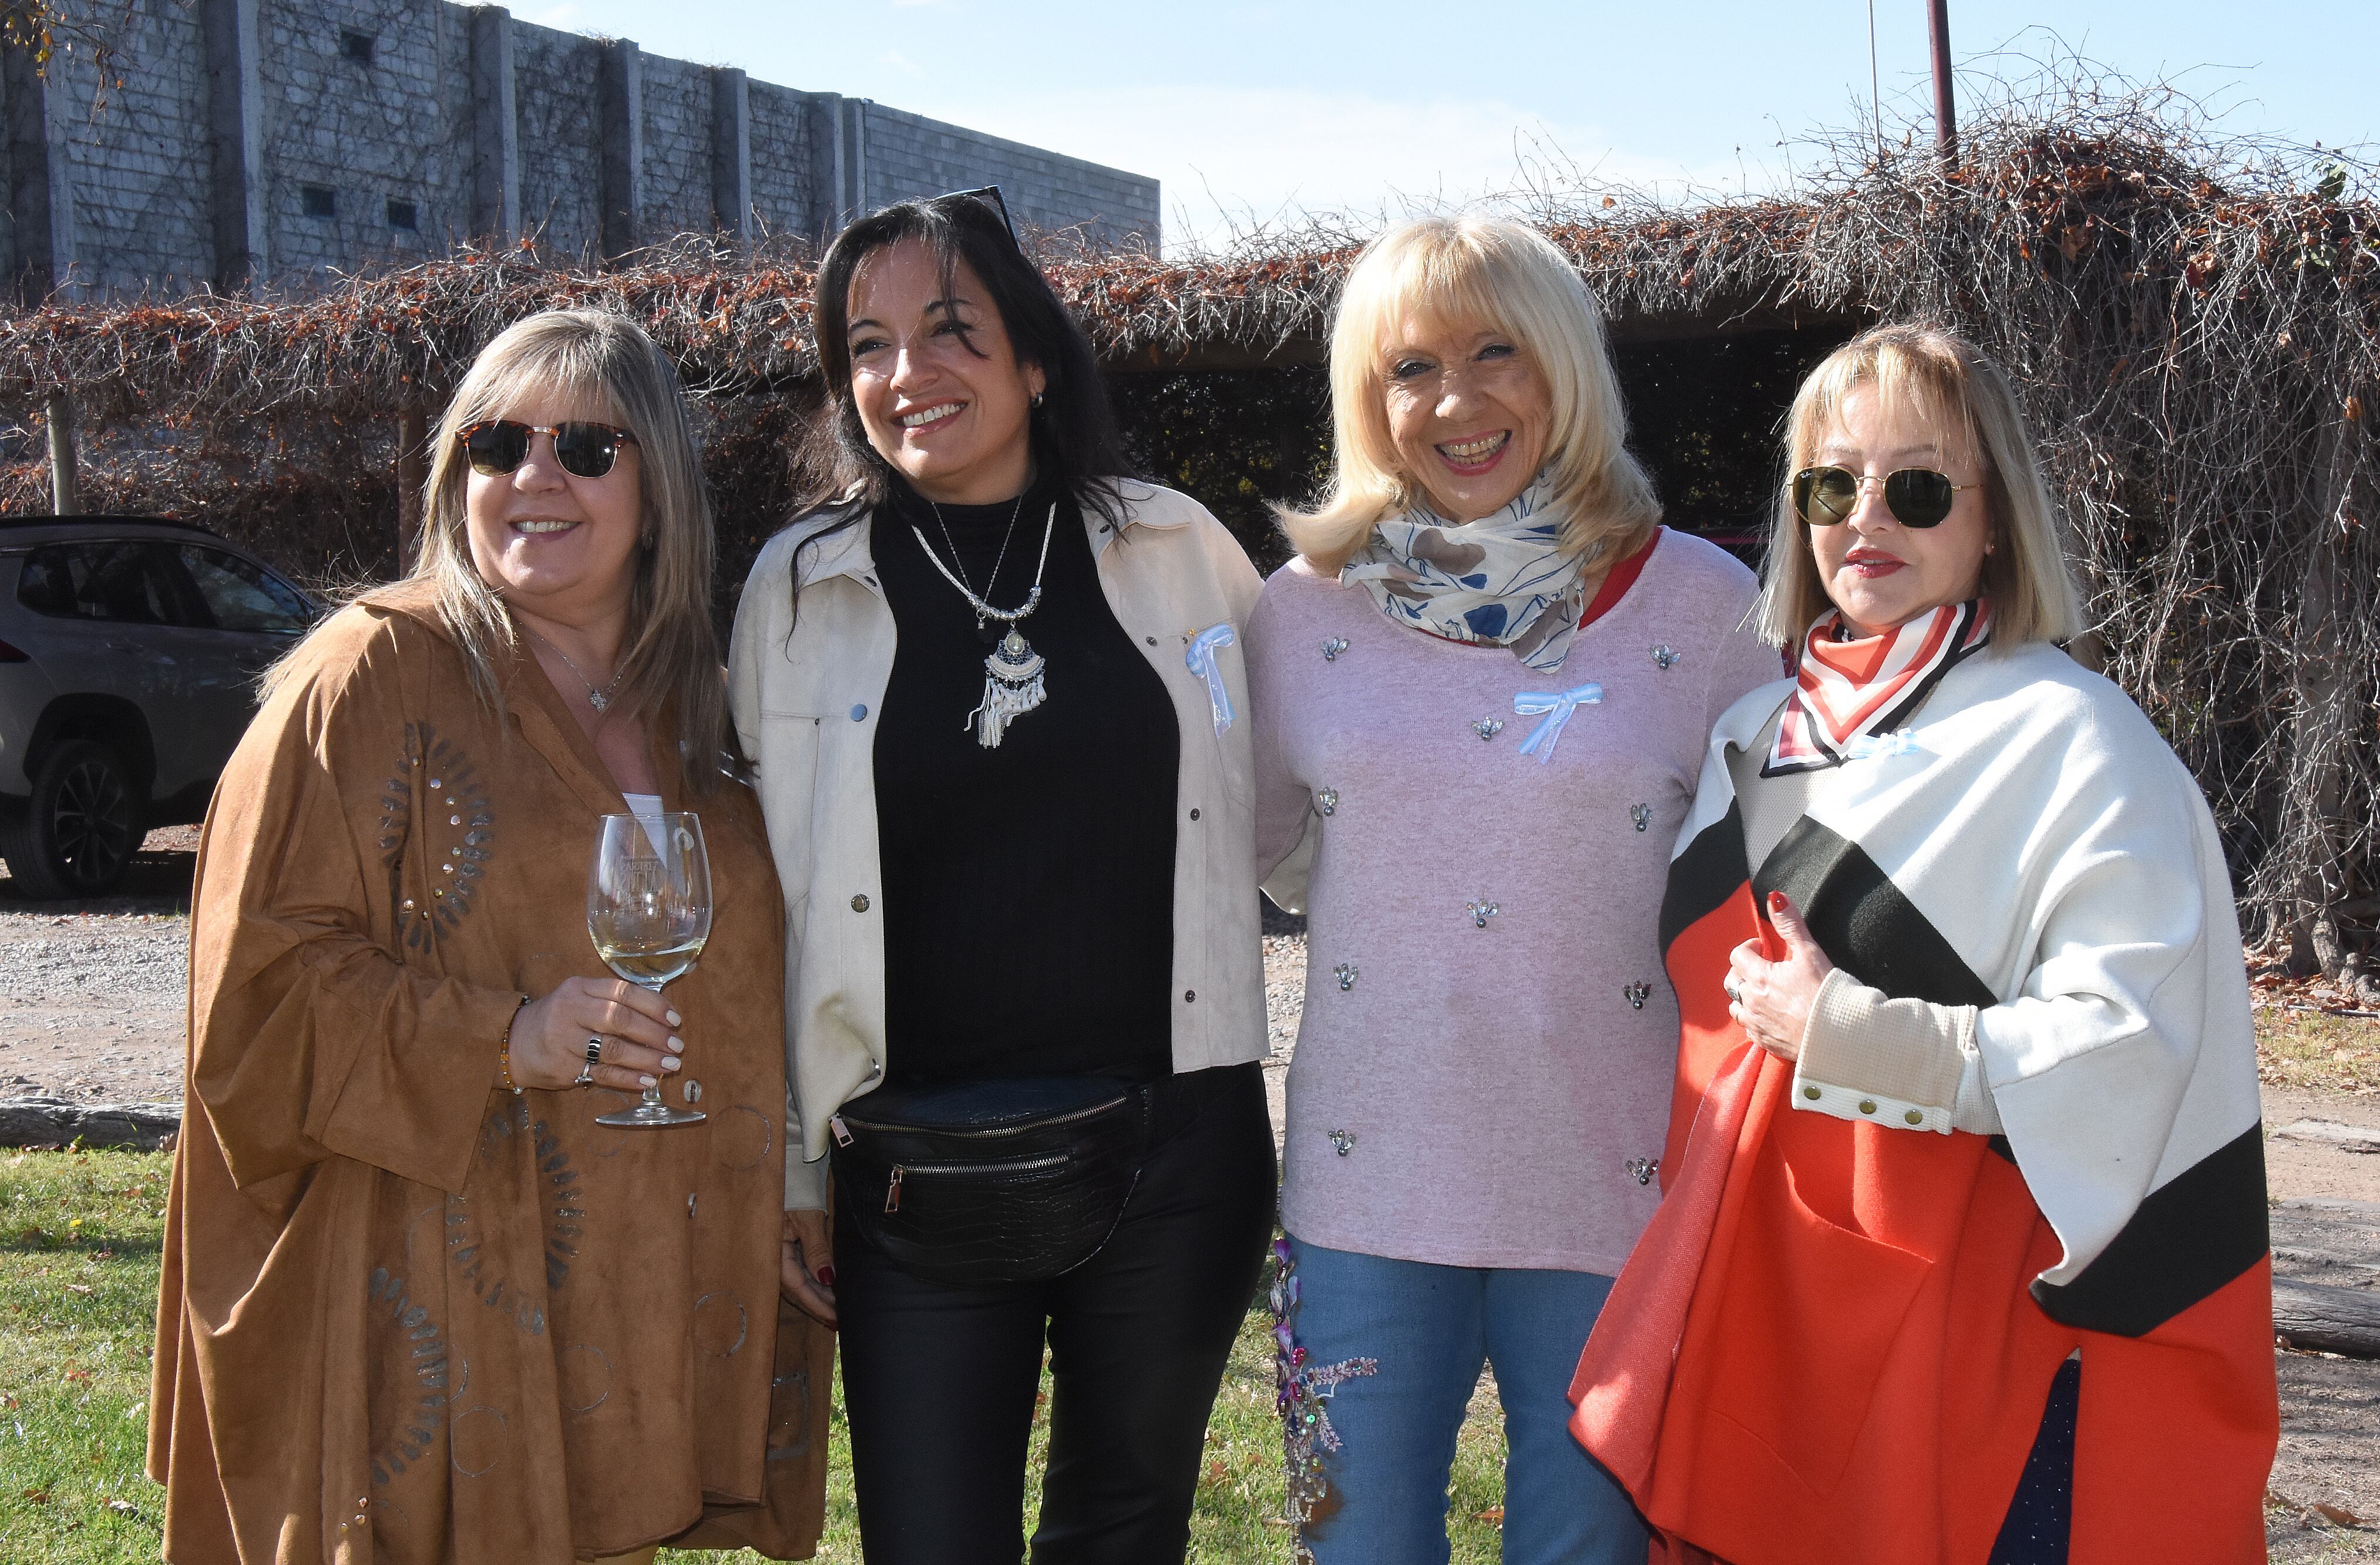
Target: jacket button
[[1193, 814], [1811, 1092], [1867, 1105], [859, 902], [1152, 641], [1914, 1117], [1189, 995], [859, 713]]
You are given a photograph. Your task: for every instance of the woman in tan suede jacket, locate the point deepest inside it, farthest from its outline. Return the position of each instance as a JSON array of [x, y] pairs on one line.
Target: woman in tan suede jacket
[[417, 1304]]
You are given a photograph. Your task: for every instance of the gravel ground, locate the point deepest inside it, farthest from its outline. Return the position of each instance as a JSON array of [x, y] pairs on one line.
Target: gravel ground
[[91, 1008]]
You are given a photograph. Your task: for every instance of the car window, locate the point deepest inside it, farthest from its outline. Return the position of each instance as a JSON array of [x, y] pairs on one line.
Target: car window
[[123, 583], [242, 595]]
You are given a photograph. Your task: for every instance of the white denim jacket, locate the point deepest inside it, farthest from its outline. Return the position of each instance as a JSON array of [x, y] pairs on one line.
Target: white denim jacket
[[805, 690]]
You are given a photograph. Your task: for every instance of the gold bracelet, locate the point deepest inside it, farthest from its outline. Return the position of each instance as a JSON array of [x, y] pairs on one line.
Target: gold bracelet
[[505, 1051]]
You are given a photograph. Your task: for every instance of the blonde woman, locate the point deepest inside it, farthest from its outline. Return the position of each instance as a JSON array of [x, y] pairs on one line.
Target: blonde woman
[[1963, 1251], [417, 1304], [1481, 692]]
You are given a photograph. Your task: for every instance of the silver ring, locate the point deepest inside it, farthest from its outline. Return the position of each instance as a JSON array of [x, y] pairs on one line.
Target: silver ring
[[594, 1051], [586, 1076], [1734, 995]]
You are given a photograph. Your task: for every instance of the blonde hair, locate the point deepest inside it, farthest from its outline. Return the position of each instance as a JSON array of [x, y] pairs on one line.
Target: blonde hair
[[1503, 276], [669, 663], [1948, 382]]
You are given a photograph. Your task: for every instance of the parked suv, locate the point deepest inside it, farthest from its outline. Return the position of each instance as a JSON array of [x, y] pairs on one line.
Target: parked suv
[[130, 651]]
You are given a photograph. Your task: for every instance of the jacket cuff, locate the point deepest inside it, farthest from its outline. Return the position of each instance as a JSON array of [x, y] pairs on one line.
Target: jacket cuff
[[805, 1179], [1897, 1062]]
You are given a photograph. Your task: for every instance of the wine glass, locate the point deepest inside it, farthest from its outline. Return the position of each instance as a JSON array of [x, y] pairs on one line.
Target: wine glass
[[648, 911]]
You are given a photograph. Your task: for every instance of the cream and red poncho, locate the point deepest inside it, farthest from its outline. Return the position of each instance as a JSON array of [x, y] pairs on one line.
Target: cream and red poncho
[[1836, 1340]]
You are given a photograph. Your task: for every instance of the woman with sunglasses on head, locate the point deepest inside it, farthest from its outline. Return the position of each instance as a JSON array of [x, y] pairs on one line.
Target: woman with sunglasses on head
[[1963, 1251], [418, 1303], [993, 688], [1481, 694]]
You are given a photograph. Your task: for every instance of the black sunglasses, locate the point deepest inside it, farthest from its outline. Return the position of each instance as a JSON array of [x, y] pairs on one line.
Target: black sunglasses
[[989, 195], [499, 445], [1917, 497]]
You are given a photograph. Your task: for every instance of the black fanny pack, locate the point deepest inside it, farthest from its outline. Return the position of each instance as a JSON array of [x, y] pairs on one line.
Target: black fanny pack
[[1013, 1179]]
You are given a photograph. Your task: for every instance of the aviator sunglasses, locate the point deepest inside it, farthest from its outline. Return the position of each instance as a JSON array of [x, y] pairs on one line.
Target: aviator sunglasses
[[1917, 497], [497, 446]]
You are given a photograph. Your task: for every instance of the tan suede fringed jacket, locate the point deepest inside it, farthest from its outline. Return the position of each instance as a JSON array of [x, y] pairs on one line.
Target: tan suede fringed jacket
[[408, 1316]]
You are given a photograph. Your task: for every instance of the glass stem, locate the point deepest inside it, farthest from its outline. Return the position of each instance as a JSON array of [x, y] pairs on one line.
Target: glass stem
[[652, 1095]]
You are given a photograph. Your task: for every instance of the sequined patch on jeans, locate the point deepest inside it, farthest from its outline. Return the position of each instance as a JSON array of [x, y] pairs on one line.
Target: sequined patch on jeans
[[1302, 1400]]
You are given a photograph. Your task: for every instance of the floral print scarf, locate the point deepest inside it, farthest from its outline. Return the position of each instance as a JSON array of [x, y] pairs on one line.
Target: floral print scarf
[[1503, 580]]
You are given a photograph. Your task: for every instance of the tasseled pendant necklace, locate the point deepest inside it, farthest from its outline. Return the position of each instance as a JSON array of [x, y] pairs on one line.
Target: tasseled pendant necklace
[[1012, 684]]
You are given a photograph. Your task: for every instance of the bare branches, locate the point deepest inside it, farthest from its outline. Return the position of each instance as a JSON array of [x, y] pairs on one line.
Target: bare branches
[[2193, 320]]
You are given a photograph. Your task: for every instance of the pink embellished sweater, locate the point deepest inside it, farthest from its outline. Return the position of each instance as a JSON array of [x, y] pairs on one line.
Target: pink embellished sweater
[[1482, 1074]]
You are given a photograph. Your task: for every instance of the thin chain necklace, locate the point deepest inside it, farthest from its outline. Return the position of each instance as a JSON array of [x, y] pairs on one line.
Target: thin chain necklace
[[983, 630], [1012, 683], [596, 697]]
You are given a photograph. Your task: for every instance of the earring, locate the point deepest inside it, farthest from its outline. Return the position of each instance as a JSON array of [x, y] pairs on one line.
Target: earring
[[1037, 399], [649, 537]]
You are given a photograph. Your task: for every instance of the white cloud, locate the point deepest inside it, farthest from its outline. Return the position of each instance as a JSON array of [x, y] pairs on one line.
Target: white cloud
[[1228, 157]]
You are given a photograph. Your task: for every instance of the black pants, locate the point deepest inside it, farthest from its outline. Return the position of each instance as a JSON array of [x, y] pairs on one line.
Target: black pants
[[939, 1382]]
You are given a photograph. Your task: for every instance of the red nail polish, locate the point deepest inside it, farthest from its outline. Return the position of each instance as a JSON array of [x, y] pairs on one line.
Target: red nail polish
[[826, 1277], [1776, 902]]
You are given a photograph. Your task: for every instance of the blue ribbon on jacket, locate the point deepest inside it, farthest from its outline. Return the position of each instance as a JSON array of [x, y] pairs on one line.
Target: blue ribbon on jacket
[[1202, 663], [1557, 706]]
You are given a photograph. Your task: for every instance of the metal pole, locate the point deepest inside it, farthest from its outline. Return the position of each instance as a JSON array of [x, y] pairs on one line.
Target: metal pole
[[1945, 111], [66, 489]]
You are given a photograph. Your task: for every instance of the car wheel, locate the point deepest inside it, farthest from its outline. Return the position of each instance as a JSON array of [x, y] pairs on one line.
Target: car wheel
[[81, 827]]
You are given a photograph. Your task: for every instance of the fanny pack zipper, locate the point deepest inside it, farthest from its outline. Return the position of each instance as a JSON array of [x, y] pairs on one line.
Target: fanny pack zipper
[[1026, 1165]]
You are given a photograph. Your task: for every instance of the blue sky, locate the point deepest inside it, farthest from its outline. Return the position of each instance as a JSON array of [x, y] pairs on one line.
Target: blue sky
[[1253, 110]]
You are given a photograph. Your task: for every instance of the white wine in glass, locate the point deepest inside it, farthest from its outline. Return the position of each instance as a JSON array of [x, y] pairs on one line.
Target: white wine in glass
[[649, 913]]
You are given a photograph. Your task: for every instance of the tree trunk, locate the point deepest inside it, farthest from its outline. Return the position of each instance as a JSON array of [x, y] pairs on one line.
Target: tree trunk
[[2322, 741], [65, 480], [412, 479]]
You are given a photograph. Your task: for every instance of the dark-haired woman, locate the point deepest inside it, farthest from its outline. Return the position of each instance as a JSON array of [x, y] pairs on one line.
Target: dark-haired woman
[[999, 714]]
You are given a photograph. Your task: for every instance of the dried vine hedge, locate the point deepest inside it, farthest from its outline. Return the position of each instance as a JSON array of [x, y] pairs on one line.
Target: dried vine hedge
[[2193, 325]]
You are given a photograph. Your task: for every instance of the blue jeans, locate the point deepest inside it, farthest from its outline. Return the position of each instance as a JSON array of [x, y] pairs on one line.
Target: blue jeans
[[1426, 1330]]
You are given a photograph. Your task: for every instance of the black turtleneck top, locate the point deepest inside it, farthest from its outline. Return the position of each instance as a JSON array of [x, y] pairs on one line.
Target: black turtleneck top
[[1028, 890]]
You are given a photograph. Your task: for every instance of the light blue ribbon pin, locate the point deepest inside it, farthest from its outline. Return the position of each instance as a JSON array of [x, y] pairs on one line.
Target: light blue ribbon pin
[[1867, 746], [1557, 706], [1202, 663]]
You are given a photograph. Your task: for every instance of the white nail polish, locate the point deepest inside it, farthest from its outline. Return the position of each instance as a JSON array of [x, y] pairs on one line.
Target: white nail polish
[[647, 1081], [668, 1062]]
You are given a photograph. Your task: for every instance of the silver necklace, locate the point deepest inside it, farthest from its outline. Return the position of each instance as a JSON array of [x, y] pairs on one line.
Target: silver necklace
[[983, 630], [1012, 683], [597, 697]]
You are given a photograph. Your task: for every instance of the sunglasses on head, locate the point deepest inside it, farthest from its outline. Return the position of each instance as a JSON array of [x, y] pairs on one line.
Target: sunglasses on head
[[989, 195], [1917, 497], [497, 446]]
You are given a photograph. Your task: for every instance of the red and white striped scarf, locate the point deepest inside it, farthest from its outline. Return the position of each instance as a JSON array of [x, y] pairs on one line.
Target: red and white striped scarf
[[1848, 692]]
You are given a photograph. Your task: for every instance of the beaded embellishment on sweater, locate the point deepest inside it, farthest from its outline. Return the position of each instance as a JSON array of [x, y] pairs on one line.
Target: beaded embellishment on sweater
[[1303, 1402]]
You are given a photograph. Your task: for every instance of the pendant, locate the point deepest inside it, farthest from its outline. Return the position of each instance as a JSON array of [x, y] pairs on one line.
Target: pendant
[[1012, 686], [597, 700]]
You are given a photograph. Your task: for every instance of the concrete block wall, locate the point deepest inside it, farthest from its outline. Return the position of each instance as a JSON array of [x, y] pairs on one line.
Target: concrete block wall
[[678, 148], [784, 161], [376, 134], [137, 163], [555, 77], [910, 155], [208, 163]]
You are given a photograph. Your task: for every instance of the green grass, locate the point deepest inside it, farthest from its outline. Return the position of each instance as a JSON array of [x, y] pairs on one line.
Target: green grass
[[78, 1243], [79, 1233]]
